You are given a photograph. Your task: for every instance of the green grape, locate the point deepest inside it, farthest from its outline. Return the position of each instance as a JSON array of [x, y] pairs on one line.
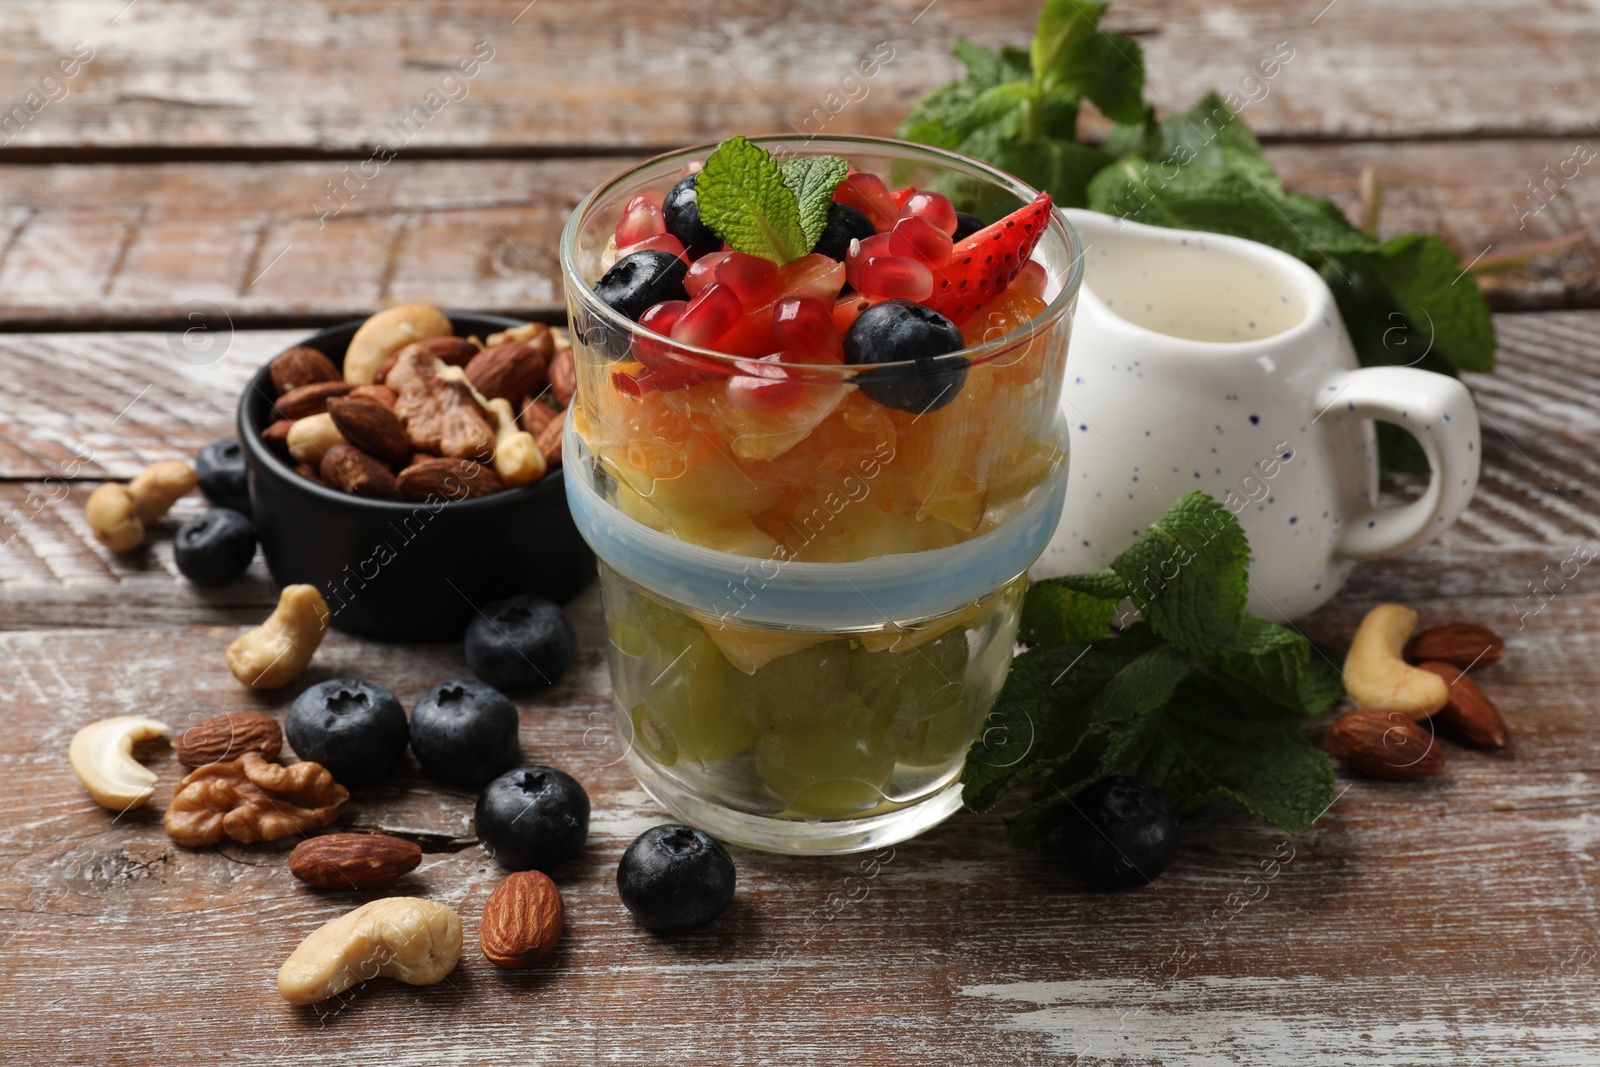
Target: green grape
[[678, 686], [795, 692], [834, 765]]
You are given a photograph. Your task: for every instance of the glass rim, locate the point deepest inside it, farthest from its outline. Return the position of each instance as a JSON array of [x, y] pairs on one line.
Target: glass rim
[[978, 353]]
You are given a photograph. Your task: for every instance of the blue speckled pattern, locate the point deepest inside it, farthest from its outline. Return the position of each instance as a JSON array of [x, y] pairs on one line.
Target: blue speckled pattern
[[1201, 361]]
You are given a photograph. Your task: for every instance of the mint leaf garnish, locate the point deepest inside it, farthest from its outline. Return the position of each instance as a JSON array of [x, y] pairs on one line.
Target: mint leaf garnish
[[1200, 697], [761, 208], [1199, 170], [813, 179], [743, 197]]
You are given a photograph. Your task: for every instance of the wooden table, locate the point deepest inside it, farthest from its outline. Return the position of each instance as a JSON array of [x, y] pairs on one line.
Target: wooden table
[[179, 182]]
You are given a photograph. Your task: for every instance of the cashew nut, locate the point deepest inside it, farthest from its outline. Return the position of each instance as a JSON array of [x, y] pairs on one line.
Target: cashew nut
[[274, 653], [156, 488], [407, 938], [1375, 675], [117, 514], [386, 333], [517, 459], [311, 437], [102, 758]]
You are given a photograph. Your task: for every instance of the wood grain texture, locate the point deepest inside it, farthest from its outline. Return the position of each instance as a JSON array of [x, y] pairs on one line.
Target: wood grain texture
[[1421, 923], [325, 74], [129, 244]]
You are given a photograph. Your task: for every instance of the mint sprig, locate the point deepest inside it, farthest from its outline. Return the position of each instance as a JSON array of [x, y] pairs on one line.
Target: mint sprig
[[1200, 170], [761, 208], [1198, 697]]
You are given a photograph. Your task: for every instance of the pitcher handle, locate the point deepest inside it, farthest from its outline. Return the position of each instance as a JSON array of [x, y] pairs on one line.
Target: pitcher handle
[[1438, 411]]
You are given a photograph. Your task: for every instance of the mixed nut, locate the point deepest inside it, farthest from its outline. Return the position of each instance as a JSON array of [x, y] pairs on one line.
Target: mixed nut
[[349, 732], [1399, 682], [418, 411]]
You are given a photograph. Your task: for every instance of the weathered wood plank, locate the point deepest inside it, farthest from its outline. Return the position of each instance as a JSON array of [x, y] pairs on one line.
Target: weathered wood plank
[[951, 949], [125, 244], [313, 74]]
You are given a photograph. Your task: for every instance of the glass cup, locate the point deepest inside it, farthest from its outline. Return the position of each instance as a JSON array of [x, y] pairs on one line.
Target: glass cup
[[812, 572]]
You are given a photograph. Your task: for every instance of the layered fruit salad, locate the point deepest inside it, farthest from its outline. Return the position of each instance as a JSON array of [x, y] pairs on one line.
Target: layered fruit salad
[[796, 363]]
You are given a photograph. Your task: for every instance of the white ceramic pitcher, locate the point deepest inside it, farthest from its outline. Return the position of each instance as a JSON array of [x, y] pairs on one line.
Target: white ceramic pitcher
[[1201, 361]]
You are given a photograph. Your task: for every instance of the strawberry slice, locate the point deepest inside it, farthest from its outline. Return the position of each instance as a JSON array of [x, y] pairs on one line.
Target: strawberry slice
[[981, 266]]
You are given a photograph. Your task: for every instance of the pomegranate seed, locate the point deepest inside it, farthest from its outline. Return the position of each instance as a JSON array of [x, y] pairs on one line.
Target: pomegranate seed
[[709, 316], [889, 277], [753, 279], [658, 319], [703, 271], [640, 219], [901, 195], [934, 207], [694, 166], [914, 236], [1031, 279], [763, 387], [661, 242], [861, 251], [804, 327], [868, 195]]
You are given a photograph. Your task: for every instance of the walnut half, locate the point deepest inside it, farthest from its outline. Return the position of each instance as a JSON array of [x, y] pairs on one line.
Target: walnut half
[[441, 415], [250, 800]]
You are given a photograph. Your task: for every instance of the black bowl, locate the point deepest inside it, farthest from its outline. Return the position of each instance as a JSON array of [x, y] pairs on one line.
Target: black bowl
[[404, 570]]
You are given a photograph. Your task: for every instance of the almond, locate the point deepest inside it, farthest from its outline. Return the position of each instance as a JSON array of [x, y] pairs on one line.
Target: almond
[[549, 440], [227, 737], [350, 470], [1470, 714], [456, 351], [447, 479], [1466, 645], [1385, 744], [309, 473], [301, 366], [308, 399], [371, 427], [353, 861], [277, 434], [381, 393], [510, 370], [563, 375], [522, 920], [535, 415]]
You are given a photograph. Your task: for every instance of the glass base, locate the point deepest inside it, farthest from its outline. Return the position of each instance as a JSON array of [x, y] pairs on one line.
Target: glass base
[[796, 837]]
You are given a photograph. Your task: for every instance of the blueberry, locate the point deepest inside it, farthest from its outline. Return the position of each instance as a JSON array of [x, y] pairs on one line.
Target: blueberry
[[354, 728], [899, 330], [845, 224], [681, 212], [532, 817], [464, 732], [215, 547], [675, 878], [1121, 832], [967, 224], [526, 642], [222, 475], [631, 287]]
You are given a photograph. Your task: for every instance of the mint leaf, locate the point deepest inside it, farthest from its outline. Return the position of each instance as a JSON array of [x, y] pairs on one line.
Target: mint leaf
[[1426, 282], [812, 180], [1054, 614], [1106, 584], [1186, 575], [1282, 666], [1202, 748], [1045, 710], [1069, 54], [743, 197], [1062, 166]]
